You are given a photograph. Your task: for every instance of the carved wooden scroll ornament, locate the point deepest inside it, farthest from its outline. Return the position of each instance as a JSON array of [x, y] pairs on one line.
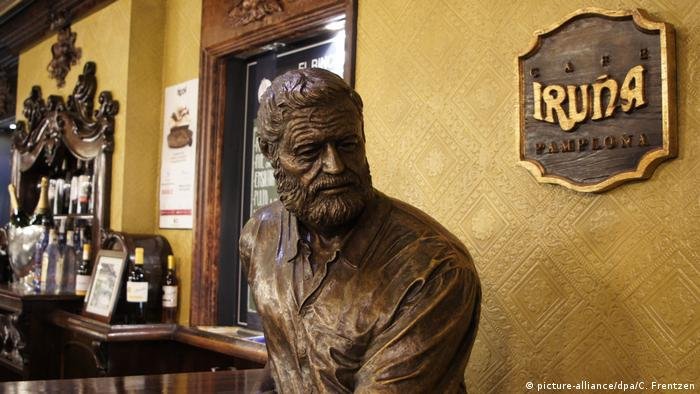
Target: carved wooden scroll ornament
[[73, 124], [247, 11], [64, 53]]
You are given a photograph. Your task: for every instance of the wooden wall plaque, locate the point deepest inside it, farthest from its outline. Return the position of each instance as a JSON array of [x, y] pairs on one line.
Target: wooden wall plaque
[[597, 100]]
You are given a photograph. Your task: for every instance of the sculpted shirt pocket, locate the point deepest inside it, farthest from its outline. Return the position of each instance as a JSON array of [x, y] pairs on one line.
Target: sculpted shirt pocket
[[336, 357]]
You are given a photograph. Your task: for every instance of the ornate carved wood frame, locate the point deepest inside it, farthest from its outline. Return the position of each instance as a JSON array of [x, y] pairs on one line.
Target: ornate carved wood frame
[[644, 166], [227, 32], [75, 125]]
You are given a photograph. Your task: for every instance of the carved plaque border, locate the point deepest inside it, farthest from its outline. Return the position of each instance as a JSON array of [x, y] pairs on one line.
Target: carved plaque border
[[651, 159]]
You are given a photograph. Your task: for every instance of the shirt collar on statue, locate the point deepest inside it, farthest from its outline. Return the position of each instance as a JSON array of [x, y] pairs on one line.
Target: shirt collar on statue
[[356, 244]]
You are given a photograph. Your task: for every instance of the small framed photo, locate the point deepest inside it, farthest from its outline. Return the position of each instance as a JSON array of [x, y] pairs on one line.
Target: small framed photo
[[103, 293]]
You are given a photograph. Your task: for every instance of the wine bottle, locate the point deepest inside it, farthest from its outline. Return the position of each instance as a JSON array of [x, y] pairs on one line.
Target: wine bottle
[[85, 190], [66, 193], [42, 217], [60, 261], [170, 292], [75, 188], [137, 289], [17, 218], [42, 213], [70, 261], [50, 264], [52, 195], [82, 279], [57, 206], [38, 258]]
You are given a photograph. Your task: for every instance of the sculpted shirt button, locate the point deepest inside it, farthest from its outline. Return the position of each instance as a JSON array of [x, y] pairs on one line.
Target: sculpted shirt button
[[305, 311]]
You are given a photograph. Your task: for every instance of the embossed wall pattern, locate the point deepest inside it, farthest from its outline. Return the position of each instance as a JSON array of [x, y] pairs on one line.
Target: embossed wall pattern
[[597, 287]]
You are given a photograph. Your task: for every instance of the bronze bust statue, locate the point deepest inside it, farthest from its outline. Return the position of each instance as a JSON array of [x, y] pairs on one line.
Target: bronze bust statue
[[358, 292]]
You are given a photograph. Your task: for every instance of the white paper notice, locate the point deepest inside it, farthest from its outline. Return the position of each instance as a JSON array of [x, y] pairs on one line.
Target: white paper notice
[[177, 171]]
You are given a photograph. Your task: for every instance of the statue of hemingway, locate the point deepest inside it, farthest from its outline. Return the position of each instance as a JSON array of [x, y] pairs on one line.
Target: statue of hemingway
[[358, 292]]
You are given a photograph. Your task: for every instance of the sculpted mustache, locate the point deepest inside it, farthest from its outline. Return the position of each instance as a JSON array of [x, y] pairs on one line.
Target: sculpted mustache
[[332, 181]]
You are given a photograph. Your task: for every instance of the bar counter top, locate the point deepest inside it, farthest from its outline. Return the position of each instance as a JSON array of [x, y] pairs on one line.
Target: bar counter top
[[243, 381]]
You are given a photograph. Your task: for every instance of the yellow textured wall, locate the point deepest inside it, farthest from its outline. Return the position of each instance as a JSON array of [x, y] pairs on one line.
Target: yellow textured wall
[[575, 286], [183, 22], [144, 99]]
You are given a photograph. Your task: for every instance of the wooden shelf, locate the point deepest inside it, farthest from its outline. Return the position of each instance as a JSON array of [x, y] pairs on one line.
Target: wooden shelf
[[226, 344], [246, 381], [75, 216], [219, 343], [12, 365], [111, 333], [11, 299]]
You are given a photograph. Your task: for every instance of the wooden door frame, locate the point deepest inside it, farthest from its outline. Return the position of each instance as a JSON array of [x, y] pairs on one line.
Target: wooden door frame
[[219, 42]]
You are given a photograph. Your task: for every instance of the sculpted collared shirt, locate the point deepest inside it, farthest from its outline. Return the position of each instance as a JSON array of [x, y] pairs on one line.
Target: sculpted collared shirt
[[395, 309]]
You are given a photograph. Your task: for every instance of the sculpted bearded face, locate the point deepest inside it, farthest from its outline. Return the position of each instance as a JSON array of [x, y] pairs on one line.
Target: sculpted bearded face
[[321, 169], [323, 177]]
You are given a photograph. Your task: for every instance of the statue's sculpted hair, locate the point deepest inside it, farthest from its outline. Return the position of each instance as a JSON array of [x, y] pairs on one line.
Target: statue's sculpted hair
[[292, 91]]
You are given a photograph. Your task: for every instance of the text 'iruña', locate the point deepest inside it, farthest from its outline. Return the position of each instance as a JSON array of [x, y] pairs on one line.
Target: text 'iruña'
[[586, 101]]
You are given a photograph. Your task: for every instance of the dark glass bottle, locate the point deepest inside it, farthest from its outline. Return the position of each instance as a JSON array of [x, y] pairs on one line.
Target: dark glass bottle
[[170, 293], [75, 187], [42, 217], [85, 190], [83, 275], [42, 213], [137, 290], [17, 218], [70, 263]]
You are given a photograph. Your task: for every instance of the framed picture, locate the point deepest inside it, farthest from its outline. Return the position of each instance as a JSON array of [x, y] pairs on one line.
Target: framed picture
[[107, 273]]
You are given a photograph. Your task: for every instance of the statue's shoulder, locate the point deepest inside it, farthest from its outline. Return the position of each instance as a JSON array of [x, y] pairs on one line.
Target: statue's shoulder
[[412, 223], [262, 220], [268, 214]]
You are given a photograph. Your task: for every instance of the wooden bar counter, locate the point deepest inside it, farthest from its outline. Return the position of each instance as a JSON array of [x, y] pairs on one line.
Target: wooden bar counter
[[89, 348], [44, 336], [244, 381]]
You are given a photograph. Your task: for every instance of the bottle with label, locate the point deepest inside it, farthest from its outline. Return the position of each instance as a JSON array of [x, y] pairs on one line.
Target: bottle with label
[[17, 218], [42, 213], [52, 195], [51, 264], [137, 290], [42, 217], [66, 193], [60, 263], [83, 274], [58, 197], [38, 258], [75, 188], [70, 263], [85, 190], [170, 292]]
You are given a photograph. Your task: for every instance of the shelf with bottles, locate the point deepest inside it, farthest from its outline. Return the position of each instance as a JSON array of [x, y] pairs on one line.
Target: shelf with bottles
[[45, 250], [71, 143], [149, 265]]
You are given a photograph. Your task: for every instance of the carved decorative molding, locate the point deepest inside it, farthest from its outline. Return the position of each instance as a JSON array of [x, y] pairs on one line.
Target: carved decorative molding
[[220, 41], [77, 125], [7, 95], [64, 53], [626, 124], [247, 11]]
